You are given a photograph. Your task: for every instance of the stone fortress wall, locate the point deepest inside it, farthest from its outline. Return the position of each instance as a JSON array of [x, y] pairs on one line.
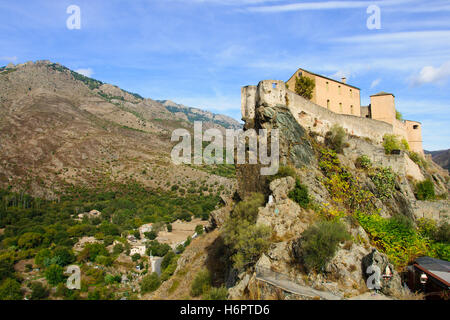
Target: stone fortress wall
[[310, 115]]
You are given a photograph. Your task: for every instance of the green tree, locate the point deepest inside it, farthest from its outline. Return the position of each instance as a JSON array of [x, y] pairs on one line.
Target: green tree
[[135, 257], [10, 290], [29, 240], [54, 274], [199, 229], [118, 249], [6, 266], [304, 87], [167, 259], [246, 240], [150, 283]]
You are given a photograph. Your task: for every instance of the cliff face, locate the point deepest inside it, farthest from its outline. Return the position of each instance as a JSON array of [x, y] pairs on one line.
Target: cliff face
[[339, 188]]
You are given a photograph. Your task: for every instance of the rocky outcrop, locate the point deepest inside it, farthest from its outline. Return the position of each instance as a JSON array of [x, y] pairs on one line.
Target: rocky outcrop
[[388, 285]]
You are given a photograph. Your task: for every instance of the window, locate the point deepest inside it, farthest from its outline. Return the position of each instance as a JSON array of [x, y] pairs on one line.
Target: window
[[300, 74], [328, 103], [416, 126], [351, 108], [340, 106], [339, 89], [327, 85], [351, 94], [274, 85]]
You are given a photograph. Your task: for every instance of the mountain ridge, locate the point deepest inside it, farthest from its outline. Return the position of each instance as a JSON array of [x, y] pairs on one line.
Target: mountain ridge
[[78, 130]]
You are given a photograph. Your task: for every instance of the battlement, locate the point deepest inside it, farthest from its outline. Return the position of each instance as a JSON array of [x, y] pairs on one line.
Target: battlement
[[271, 93]]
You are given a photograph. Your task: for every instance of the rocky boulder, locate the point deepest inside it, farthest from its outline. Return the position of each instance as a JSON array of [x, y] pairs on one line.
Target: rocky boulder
[[389, 286], [281, 187]]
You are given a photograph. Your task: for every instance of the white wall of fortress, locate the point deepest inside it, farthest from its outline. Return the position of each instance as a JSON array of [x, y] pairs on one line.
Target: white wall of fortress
[[308, 114]]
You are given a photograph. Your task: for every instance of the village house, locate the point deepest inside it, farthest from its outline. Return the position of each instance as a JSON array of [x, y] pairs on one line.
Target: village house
[[145, 228], [137, 249]]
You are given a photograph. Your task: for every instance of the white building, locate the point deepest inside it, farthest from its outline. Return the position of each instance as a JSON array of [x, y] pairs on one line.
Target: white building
[[137, 249]]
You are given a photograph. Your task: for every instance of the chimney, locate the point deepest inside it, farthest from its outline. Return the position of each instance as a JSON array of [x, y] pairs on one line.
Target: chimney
[[344, 79]]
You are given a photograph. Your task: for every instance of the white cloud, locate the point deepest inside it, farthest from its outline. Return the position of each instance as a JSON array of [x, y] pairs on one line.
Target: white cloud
[[85, 72], [325, 5], [341, 74], [9, 59], [430, 74], [375, 83], [435, 35]]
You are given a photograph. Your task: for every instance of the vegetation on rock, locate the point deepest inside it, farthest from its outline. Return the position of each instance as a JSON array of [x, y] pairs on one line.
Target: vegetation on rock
[[245, 239], [319, 243], [304, 87]]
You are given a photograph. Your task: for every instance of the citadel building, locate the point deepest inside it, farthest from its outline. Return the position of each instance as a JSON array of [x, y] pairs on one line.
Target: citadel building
[[335, 102]]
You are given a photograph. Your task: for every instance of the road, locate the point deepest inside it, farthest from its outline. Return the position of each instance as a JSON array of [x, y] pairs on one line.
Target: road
[[295, 288]]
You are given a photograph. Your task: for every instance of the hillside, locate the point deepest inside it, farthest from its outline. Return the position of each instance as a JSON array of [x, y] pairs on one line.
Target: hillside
[[441, 157], [60, 128], [195, 114]]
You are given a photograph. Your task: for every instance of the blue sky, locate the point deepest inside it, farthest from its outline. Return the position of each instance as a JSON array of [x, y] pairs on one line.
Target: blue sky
[[200, 52]]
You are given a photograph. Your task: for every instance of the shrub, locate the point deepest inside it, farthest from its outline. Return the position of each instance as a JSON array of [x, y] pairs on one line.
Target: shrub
[[169, 227], [151, 235], [405, 144], [300, 194], [10, 290], [391, 142], [395, 238], [384, 181], [425, 190], [248, 208], [118, 248], [304, 87], [398, 115], [167, 259], [364, 162], [335, 138], [217, 294], [38, 291], [29, 240], [319, 243], [150, 283], [418, 159], [91, 251], [157, 249], [443, 232], [246, 240], [201, 283], [283, 171], [135, 257], [402, 221], [54, 274], [199, 229]]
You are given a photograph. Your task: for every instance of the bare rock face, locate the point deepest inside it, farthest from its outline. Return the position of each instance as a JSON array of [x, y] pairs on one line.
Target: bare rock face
[[390, 286], [236, 292], [346, 268], [281, 187], [218, 217]]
